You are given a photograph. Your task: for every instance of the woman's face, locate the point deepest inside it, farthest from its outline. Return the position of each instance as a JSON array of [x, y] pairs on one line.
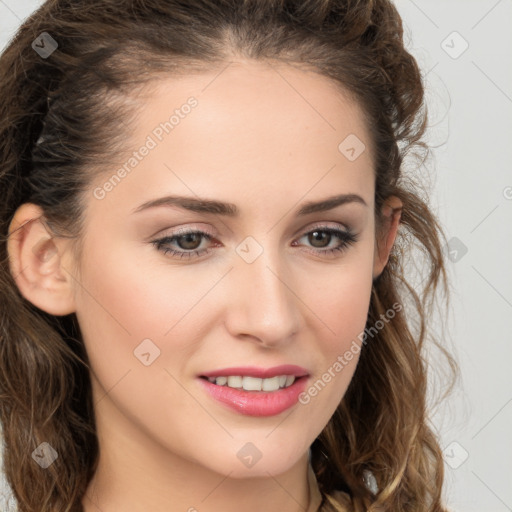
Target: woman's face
[[264, 287]]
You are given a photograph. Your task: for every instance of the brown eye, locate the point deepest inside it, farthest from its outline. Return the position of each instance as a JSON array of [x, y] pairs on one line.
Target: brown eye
[[187, 244], [190, 241], [321, 237]]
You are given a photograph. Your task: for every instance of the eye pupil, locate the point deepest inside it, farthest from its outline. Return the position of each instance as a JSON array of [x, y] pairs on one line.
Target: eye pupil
[[323, 235], [193, 238]]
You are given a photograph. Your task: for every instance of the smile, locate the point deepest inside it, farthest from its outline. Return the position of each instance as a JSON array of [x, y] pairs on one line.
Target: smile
[[254, 383]]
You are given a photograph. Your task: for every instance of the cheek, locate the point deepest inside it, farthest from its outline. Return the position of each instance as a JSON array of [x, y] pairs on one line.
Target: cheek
[[126, 313], [122, 301], [345, 301], [343, 310], [340, 302], [341, 298]]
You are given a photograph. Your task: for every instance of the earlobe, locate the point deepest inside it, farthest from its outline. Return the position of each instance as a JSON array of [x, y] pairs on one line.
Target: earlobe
[[391, 211], [37, 264]]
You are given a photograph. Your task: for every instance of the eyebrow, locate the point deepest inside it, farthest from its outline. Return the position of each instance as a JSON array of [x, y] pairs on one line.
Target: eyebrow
[[211, 206]]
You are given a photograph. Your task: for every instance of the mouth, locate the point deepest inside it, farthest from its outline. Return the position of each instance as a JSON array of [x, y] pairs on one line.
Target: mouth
[[256, 391], [248, 383], [255, 378]]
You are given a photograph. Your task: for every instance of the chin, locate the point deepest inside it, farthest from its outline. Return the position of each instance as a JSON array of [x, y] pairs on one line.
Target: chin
[[257, 458]]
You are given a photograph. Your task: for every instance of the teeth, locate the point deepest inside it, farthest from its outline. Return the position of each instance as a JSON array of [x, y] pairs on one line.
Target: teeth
[[235, 382], [254, 383], [270, 384]]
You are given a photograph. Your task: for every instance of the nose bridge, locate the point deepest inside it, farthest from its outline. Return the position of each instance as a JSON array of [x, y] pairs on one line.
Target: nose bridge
[[264, 305]]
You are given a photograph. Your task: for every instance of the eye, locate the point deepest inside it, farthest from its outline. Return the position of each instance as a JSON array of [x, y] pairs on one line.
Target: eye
[[187, 241], [322, 236], [186, 244]]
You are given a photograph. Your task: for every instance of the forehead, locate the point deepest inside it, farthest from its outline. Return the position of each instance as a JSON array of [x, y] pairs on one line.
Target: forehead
[[262, 99], [247, 128]]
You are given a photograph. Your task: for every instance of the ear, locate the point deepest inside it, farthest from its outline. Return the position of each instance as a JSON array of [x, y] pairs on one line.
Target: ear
[[391, 211], [36, 260]]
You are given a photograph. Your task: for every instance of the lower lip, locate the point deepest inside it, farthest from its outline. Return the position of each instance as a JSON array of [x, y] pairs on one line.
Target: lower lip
[[256, 403]]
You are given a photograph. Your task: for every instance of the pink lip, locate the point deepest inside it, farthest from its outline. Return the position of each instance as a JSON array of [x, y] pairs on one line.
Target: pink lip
[[262, 373], [256, 403]]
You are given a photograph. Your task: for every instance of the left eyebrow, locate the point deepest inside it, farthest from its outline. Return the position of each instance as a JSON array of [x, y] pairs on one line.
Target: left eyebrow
[[211, 206], [330, 203]]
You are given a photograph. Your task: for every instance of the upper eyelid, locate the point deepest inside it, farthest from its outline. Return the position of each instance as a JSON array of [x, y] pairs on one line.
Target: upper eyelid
[[318, 225], [209, 237], [327, 225]]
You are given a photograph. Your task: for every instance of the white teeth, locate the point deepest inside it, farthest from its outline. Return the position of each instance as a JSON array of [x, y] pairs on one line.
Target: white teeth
[[235, 382], [270, 384], [254, 383], [290, 379]]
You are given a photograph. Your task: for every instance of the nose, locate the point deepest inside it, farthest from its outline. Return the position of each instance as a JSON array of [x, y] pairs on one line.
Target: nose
[[262, 304]]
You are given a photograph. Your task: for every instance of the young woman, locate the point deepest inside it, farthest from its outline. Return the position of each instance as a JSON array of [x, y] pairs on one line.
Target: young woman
[[204, 222]]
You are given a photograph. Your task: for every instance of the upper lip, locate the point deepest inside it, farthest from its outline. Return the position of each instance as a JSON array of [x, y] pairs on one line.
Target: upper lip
[[262, 373]]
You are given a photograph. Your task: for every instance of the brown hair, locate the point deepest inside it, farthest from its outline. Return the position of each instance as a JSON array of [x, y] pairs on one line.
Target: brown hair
[[74, 98]]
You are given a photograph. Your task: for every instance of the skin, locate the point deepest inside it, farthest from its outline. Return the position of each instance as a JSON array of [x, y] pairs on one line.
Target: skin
[[255, 141]]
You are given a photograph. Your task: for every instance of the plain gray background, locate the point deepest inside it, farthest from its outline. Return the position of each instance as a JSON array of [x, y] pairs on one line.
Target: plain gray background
[[464, 49]]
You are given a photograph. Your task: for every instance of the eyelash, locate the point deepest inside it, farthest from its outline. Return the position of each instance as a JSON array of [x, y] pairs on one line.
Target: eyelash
[[346, 237]]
